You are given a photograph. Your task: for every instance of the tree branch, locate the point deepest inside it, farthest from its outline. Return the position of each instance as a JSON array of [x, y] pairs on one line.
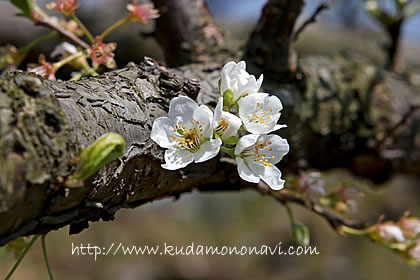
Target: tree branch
[[311, 20]]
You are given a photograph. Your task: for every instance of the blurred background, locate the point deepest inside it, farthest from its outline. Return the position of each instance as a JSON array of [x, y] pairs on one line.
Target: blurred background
[[230, 219]]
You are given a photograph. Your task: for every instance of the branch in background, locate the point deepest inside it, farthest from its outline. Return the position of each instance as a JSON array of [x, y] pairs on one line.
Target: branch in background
[[311, 20], [270, 47], [186, 31], [333, 219], [390, 133], [47, 22]]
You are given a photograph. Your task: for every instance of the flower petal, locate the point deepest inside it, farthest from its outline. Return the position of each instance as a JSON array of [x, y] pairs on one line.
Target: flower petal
[[245, 173], [234, 123], [274, 182], [245, 142], [176, 159], [218, 110], [162, 131], [204, 116], [280, 147], [208, 150], [182, 109]]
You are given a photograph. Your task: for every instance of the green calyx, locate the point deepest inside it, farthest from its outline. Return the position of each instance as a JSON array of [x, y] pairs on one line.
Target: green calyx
[[228, 96], [104, 150]]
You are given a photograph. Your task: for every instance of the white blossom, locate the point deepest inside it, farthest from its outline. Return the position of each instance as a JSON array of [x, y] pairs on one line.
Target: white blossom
[[235, 78], [260, 113], [391, 232], [226, 124], [64, 49], [312, 185], [415, 252], [256, 156], [186, 133]]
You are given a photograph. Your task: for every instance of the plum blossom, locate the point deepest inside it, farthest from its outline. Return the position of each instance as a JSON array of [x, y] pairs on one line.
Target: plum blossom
[[64, 49], [102, 53], [311, 185], [260, 113], [256, 156], [142, 12], [186, 134], [410, 226], [65, 6], [414, 252], [235, 78], [44, 69], [226, 124], [391, 232]]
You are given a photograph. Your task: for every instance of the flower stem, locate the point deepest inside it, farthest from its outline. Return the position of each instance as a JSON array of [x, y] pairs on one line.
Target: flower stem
[[66, 60], [44, 250], [353, 231], [23, 53], [229, 151], [29, 246], [113, 27], [289, 213], [83, 28]]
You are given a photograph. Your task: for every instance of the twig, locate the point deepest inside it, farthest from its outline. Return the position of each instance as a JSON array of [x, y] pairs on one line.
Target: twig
[[334, 220], [67, 34], [404, 119], [283, 197], [312, 19]]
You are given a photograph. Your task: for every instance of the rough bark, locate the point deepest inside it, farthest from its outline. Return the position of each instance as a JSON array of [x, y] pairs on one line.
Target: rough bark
[[332, 122], [186, 31], [341, 112], [270, 46]]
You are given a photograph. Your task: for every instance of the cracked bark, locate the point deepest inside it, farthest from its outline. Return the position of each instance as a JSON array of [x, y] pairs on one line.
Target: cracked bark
[[340, 112]]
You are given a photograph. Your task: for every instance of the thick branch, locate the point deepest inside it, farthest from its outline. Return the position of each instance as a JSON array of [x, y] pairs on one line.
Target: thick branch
[[332, 121], [186, 31], [270, 48]]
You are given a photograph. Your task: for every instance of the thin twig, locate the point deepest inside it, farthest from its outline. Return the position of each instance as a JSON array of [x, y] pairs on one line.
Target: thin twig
[[44, 251], [29, 246], [334, 220], [67, 34], [312, 19], [392, 131]]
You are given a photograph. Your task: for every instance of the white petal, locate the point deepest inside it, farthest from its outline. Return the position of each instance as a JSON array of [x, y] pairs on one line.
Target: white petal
[[245, 173], [392, 232], [258, 128], [182, 109], [204, 116], [208, 150], [176, 159], [274, 182], [242, 65], [260, 80], [279, 145], [245, 142], [218, 110], [270, 175], [234, 123], [162, 130]]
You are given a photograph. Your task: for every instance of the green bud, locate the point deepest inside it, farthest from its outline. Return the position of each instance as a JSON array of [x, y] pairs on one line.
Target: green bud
[[17, 246], [104, 150], [220, 85], [301, 234], [228, 96]]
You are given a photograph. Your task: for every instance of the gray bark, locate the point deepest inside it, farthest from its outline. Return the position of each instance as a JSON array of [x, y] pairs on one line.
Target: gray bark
[[333, 120]]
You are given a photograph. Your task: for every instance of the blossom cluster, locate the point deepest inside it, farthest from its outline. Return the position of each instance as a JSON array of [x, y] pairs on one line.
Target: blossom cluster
[[193, 133], [403, 237]]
